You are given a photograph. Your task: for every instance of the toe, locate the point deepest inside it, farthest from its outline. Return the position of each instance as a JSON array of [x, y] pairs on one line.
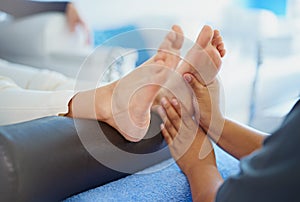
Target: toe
[[171, 37], [216, 33], [177, 43], [205, 36], [217, 40], [223, 52], [220, 47]]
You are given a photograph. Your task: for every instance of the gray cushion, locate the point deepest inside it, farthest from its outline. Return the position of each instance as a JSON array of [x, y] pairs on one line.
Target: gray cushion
[[44, 159]]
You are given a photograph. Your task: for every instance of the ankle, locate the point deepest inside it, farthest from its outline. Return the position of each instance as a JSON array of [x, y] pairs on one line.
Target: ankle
[[103, 99]]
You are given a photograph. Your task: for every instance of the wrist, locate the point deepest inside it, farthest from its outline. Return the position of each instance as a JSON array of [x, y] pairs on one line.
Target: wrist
[[200, 165], [214, 125], [199, 153], [208, 180], [203, 167]]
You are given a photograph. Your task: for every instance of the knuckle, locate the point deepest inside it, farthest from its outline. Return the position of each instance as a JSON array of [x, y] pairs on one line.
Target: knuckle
[[167, 106], [168, 126], [175, 119]]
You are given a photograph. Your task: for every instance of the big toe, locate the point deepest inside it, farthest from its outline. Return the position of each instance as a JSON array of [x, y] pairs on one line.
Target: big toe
[[205, 36], [173, 40], [177, 43]]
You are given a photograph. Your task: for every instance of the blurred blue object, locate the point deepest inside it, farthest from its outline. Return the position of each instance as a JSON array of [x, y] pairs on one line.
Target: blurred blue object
[[278, 7], [133, 40]]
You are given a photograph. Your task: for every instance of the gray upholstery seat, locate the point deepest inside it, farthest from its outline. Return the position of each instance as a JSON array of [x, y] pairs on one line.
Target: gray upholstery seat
[[44, 159]]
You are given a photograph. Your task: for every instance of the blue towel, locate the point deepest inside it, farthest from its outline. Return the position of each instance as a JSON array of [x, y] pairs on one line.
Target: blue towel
[[162, 182]]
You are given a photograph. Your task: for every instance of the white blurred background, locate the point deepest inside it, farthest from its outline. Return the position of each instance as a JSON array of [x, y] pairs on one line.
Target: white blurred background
[[260, 73]]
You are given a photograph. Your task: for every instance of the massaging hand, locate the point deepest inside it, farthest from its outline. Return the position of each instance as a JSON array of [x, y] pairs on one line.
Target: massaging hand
[[207, 104], [188, 143]]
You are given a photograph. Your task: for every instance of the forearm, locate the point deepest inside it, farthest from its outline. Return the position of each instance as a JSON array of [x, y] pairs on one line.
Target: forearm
[[237, 139], [22, 8], [205, 181]]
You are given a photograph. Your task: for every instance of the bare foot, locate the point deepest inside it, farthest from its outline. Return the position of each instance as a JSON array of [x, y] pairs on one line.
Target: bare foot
[[204, 58], [133, 95], [168, 53]]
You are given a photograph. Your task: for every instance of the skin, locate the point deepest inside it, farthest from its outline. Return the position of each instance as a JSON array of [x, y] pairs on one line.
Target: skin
[[203, 60], [237, 139], [130, 115], [188, 140], [126, 105], [74, 20], [178, 129]]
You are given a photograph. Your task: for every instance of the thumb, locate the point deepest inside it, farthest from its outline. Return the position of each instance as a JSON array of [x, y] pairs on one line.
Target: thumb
[[191, 79]]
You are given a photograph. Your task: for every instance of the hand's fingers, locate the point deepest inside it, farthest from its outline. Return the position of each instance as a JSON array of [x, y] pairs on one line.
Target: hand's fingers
[[171, 129], [187, 119], [167, 124], [182, 112], [79, 22], [176, 106], [166, 134], [172, 114], [194, 83], [198, 89], [72, 26], [87, 32]]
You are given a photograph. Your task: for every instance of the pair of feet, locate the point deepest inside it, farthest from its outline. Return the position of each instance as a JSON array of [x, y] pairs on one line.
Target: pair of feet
[[129, 100]]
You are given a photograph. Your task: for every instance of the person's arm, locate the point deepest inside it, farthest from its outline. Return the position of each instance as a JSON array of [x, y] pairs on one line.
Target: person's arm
[[22, 8], [204, 180], [192, 150], [235, 138], [271, 173]]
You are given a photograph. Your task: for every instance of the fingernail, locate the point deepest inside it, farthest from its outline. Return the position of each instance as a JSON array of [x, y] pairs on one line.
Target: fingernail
[[174, 101], [187, 77], [164, 101], [162, 126], [161, 111]]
